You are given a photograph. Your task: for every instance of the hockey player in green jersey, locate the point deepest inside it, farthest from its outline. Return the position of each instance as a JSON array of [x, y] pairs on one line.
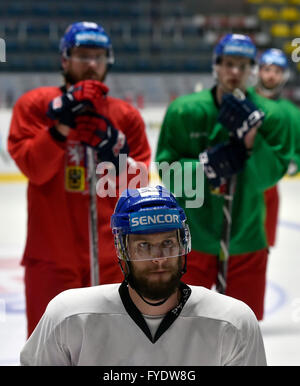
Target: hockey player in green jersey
[[232, 137], [272, 77]]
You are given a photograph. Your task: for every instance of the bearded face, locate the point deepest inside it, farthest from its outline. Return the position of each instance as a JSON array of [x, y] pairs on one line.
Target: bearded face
[[155, 264], [84, 63]]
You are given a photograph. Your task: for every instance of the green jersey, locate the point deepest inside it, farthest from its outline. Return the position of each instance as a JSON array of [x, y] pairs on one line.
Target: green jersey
[[294, 112], [190, 126]]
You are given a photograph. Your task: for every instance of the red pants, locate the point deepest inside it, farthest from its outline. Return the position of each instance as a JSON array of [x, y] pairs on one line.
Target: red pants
[[246, 276], [43, 281], [272, 207]]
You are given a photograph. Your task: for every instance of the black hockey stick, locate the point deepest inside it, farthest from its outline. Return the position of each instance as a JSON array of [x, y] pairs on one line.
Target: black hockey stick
[[227, 220], [225, 238], [221, 282]]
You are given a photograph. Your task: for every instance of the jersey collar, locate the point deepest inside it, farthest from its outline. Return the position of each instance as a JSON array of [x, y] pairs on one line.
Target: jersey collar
[[168, 319]]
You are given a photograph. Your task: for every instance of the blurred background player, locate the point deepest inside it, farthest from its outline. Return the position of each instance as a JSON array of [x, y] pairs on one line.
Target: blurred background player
[[50, 129], [257, 152], [272, 76], [152, 318]]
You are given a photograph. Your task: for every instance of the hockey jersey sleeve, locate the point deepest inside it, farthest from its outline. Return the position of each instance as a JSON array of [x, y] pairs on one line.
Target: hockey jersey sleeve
[[176, 150], [272, 152], [30, 144], [45, 346], [139, 148], [129, 120], [293, 112], [243, 342]]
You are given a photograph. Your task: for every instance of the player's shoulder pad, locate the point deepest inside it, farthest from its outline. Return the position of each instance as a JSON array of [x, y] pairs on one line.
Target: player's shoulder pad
[[122, 109], [268, 106], [90, 300], [38, 95], [209, 304], [191, 103]]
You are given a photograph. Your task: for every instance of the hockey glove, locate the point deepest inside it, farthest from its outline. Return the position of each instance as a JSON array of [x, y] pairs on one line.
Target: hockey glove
[[239, 115], [222, 161], [97, 131], [78, 99]]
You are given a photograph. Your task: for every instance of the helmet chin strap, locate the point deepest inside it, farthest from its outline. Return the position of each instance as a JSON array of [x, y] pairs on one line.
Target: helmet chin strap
[[146, 301], [273, 93]]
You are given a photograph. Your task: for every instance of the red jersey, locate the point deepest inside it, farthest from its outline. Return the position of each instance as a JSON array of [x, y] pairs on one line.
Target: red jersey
[[58, 194]]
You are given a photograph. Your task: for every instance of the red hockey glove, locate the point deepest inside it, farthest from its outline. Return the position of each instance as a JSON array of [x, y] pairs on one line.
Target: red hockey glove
[[78, 99], [97, 131]]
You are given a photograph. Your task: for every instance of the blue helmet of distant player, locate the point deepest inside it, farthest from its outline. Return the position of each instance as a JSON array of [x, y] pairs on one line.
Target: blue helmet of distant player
[[235, 45], [274, 56], [87, 34]]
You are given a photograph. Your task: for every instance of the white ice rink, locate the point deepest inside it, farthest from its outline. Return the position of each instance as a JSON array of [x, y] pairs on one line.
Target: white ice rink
[[281, 325]]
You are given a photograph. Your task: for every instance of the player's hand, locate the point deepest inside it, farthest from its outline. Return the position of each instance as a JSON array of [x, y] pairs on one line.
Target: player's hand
[[88, 90], [78, 99], [222, 161], [97, 131], [239, 116]]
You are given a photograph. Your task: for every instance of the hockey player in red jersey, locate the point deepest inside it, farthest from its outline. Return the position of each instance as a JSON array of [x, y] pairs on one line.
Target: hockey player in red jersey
[[50, 131]]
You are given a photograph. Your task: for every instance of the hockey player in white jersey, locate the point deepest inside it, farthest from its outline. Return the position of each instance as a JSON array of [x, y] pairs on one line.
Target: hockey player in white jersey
[[152, 318]]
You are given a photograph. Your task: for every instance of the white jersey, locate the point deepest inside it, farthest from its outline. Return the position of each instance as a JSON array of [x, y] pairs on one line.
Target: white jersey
[[100, 326]]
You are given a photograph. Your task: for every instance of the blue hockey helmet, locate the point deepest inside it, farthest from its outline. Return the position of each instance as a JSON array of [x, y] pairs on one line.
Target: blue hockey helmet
[[274, 56], [236, 45], [86, 34], [145, 211]]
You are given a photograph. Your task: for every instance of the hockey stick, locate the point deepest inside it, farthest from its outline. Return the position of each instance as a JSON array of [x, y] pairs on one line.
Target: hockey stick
[[93, 220], [225, 238], [221, 282]]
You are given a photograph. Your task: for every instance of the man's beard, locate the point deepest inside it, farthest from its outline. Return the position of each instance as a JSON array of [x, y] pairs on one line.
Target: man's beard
[[268, 86], [155, 289], [70, 78], [270, 92]]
